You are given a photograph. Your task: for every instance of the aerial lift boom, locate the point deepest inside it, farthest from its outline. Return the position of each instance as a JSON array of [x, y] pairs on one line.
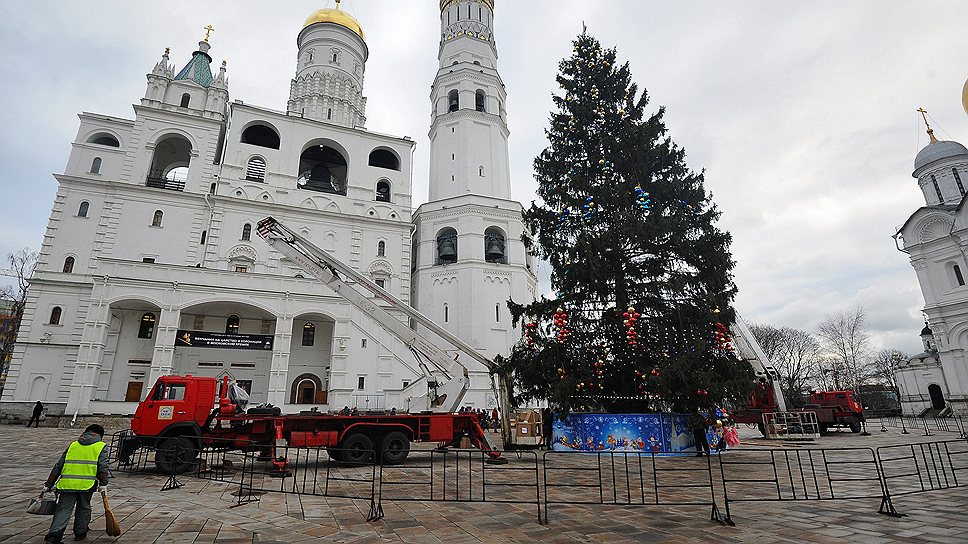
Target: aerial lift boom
[[447, 378]]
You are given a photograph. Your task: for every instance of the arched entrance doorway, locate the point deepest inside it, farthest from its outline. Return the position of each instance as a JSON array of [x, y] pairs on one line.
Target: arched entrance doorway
[[937, 397], [307, 389]]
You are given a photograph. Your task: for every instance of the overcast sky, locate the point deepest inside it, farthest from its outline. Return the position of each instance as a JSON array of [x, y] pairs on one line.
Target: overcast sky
[[801, 113]]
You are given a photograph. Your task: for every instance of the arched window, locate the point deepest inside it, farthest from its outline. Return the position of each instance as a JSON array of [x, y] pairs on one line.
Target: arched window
[[453, 99], [959, 277], [383, 158], [68, 265], [494, 246], [157, 218], [169, 163], [96, 165], [247, 232], [186, 99], [147, 327], [232, 324], [383, 191], [497, 313], [961, 186], [480, 171], [104, 139], [204, 237], [83, 208], [309, 334], [446, 314], [447, 246], [55, 316], [329, 114], [479, 100], [255, 170], [322, 168], [262, 136], [381, 249]]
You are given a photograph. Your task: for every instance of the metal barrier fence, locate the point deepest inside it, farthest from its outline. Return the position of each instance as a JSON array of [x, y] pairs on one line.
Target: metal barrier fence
[[759, 475], [462, 476], [925, 425], [628, 478], [560, 478], [918, 468]]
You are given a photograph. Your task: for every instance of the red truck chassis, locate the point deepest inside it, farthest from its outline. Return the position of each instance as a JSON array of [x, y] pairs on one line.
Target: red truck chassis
[[179, 419]]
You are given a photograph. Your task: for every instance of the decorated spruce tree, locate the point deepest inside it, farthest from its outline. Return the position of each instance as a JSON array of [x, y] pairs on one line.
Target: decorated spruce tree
[[642, 274]]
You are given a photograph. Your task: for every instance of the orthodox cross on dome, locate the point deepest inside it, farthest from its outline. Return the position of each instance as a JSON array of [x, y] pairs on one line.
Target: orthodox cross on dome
[[337, 3], [208, 30], [924, 115]]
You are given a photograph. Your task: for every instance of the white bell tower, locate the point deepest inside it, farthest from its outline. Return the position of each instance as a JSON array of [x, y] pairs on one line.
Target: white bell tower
[[469, 258]]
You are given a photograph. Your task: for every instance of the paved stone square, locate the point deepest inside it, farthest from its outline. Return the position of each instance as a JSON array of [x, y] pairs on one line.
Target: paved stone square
[[202, 511]]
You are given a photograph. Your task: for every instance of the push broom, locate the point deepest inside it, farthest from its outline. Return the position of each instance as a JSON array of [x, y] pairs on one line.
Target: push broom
[[113, 528]]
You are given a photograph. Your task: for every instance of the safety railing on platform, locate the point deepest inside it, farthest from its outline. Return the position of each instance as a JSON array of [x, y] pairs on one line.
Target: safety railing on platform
[[791, 425], [760, 475], [628, 478]]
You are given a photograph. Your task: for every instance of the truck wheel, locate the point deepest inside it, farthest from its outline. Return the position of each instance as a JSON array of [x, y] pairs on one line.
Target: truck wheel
[[762, 428], [357, 449], [175, 455], [853, 423], [824, 428], [395, 448]]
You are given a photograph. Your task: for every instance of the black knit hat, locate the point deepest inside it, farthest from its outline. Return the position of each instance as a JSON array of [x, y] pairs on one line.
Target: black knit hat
[[95, 428]]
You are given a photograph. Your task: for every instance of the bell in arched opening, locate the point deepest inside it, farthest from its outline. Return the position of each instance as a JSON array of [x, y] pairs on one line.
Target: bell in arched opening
[[447, 246], [494, 246]]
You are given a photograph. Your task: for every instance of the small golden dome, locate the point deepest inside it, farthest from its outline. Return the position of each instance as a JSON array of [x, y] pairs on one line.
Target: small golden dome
[[336, 17]]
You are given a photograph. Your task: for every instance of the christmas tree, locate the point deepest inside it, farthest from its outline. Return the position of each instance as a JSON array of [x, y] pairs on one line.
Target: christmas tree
[[642, 274]]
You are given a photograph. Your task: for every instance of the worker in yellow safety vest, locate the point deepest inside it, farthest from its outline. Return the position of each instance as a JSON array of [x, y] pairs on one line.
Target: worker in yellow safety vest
[[79, 472]]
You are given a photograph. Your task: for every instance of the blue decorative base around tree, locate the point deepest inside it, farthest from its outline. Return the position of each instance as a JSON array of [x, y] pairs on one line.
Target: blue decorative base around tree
[[644, 433]]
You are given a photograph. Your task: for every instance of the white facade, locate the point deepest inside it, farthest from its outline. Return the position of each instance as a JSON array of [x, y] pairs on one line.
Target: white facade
[[469, 258], [152, 232], [936, 238]]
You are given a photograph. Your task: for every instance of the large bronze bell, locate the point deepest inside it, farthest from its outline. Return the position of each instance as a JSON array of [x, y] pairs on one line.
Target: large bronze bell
[[447, 249], [495, 249]]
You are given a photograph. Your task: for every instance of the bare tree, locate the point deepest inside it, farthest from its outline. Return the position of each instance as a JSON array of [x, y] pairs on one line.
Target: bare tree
[[844, 338], [795, 355], [14, 298]]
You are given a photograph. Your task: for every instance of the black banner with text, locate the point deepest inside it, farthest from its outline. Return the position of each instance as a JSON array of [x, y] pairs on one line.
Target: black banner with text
[[202, 339]]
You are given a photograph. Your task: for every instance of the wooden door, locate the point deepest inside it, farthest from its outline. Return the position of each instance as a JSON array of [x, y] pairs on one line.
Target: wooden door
[[134, 392]]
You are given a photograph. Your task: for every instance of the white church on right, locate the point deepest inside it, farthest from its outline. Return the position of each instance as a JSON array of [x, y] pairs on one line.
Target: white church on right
[[935, 382]]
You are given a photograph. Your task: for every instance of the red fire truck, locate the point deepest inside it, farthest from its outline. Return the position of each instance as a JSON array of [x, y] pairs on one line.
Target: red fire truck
[[184, 414]]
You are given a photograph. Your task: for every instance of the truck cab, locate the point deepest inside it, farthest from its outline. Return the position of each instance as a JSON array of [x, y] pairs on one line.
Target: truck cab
[[175, 402]]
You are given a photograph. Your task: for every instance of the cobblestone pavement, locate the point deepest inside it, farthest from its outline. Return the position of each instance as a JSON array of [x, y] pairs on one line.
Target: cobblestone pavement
[[202, 511]]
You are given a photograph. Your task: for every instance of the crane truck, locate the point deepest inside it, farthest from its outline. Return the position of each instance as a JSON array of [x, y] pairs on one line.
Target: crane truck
[[833, 408], [183, 414]]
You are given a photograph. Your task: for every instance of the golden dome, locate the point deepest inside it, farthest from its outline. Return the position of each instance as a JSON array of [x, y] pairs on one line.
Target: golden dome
[[336, 17]]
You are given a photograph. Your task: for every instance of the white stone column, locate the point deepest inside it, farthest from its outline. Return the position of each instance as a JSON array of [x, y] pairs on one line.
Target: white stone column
[[90, 352], [279, 369], [162, 360]]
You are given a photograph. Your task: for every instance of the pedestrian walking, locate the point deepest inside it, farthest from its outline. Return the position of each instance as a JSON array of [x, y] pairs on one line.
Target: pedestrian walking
[[81, 470], [38, 411], [698, 425]]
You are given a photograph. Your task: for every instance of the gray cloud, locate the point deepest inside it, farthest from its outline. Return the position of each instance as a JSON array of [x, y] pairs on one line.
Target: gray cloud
[[802, 114]]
